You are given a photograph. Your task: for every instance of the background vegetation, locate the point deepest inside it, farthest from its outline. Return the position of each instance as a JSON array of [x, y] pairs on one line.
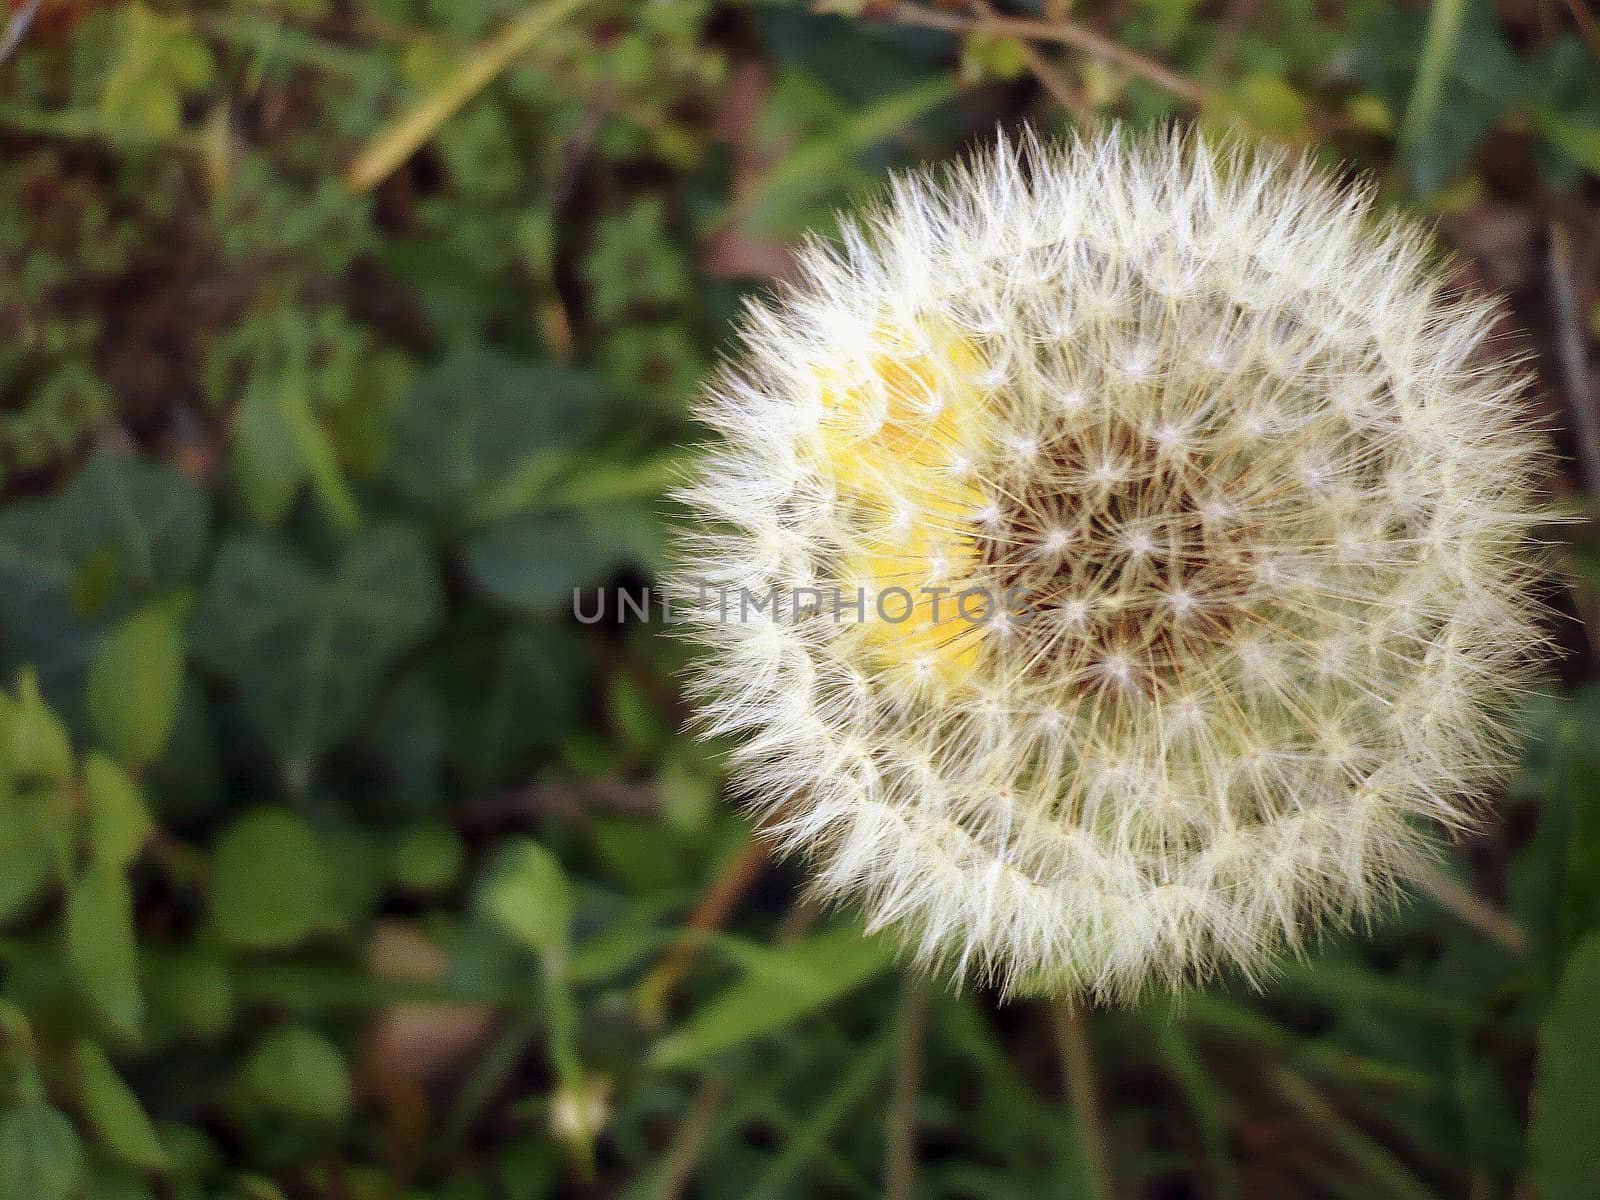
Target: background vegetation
[[340, 339]]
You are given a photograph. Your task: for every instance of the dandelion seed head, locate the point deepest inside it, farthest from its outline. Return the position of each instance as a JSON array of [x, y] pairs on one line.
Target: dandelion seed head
[[1266, 500]]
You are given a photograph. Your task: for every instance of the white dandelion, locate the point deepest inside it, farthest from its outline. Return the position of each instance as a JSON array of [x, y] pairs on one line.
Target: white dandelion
[[1259, 503]]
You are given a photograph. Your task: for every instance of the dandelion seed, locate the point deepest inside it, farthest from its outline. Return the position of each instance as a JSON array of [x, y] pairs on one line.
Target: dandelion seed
[[1055, 542], [1139, 545], [1267, 500]]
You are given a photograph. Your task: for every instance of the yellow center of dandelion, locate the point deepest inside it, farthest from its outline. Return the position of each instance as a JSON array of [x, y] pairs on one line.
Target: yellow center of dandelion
[[898, 436]]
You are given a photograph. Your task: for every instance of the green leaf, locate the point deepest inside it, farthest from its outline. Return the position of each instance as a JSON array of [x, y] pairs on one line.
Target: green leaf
[[634, 261], [1439, 48], [602, 483], [617, 948], [271, 883], [316, 448], [110, 1181], [1563, 1152], [1554, 884], [782, 986], [123, 527], [810, 1141], [150, 518], [427, 858], [101, 947], [40, 747], [634, 716], [41, 1157], [1564, 104], [357, 882], [1208, 1104], [135, 680], [192, 1153], [484, 430], [536, 561], [316, 990], [26, 852], [38, 564], [645, 857], [192, 990], [1460, 77], [986, 56], [119, 819], [157, 58], [527, 895], [307, 648], [493, 685], [115, 1112], [855, 65], [405, 743], [806, 174], [1489, 1107], [1578, 140], [267, 462], [688, 795], [297, 1072], [1271, 104]]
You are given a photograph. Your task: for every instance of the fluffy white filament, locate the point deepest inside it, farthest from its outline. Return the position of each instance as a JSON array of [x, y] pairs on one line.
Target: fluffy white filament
[[1260, 503]]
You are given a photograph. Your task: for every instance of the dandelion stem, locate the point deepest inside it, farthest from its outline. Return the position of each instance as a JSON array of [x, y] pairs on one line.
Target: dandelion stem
[[1077, 1067], [900, 1152]]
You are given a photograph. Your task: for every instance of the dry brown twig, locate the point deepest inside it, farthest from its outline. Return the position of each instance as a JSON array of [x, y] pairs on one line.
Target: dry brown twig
[[1573, 357], [1059, 31], [1473, 910], [1578, 390], [718, 900], [400, 138], [683, 1153], [1588, 25], [17, 28], [678, 1163], [1046, 73]]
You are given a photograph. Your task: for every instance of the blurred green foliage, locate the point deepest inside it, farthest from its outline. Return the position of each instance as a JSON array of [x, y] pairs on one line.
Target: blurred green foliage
[[337, 859]]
